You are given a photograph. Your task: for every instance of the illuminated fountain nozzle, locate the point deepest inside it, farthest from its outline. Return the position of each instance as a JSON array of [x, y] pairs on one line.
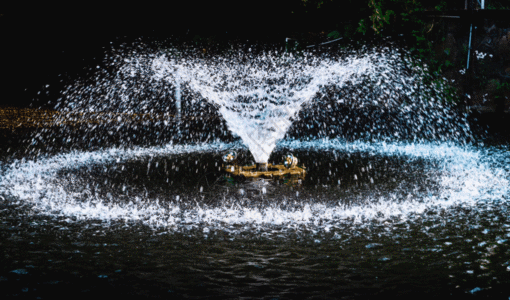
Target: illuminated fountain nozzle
[[230, 157], [290, 161]]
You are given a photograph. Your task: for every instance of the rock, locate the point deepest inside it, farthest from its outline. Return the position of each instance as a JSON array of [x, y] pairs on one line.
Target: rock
[[450, 43], [504, 45]]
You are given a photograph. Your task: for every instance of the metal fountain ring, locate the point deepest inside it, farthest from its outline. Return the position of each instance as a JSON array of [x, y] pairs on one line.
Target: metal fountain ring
[[263, 169]]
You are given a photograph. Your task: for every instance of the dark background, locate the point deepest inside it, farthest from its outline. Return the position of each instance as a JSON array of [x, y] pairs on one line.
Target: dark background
[[44, 48], [41, 43]]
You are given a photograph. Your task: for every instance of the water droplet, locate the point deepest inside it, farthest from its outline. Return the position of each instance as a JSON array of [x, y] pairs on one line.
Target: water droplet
[[20, 271]]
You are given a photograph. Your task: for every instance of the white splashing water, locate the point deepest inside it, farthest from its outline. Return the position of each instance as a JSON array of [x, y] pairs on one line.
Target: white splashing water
[[257, 99], [467, 179], [260, 96]]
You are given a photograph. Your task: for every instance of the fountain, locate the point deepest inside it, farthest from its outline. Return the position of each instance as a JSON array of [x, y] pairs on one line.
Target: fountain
[[150, 143]]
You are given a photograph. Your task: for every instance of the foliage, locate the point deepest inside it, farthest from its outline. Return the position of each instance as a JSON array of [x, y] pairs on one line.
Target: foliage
[[406, 18], [502, 4], [501, 89], [379, 17], [334, 34], [314, 3]]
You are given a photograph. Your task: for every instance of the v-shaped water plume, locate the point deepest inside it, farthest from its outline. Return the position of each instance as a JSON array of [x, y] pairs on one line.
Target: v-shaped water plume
[[377, 94], [259, 97]]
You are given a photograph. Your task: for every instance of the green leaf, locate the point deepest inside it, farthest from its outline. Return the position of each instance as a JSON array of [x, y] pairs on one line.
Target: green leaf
[[334, 34]]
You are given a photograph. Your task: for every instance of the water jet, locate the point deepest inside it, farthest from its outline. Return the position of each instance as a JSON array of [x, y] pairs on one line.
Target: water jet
[[389, 177]]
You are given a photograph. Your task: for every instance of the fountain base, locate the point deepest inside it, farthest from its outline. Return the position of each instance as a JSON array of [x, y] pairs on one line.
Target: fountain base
[[265, 170]]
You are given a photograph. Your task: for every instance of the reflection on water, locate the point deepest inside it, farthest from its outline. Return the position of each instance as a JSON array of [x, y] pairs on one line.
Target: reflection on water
[[369, 220], [455, 253]]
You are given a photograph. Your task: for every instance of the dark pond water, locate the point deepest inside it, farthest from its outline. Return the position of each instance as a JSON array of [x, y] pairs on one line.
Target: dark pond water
[[369, 220]]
